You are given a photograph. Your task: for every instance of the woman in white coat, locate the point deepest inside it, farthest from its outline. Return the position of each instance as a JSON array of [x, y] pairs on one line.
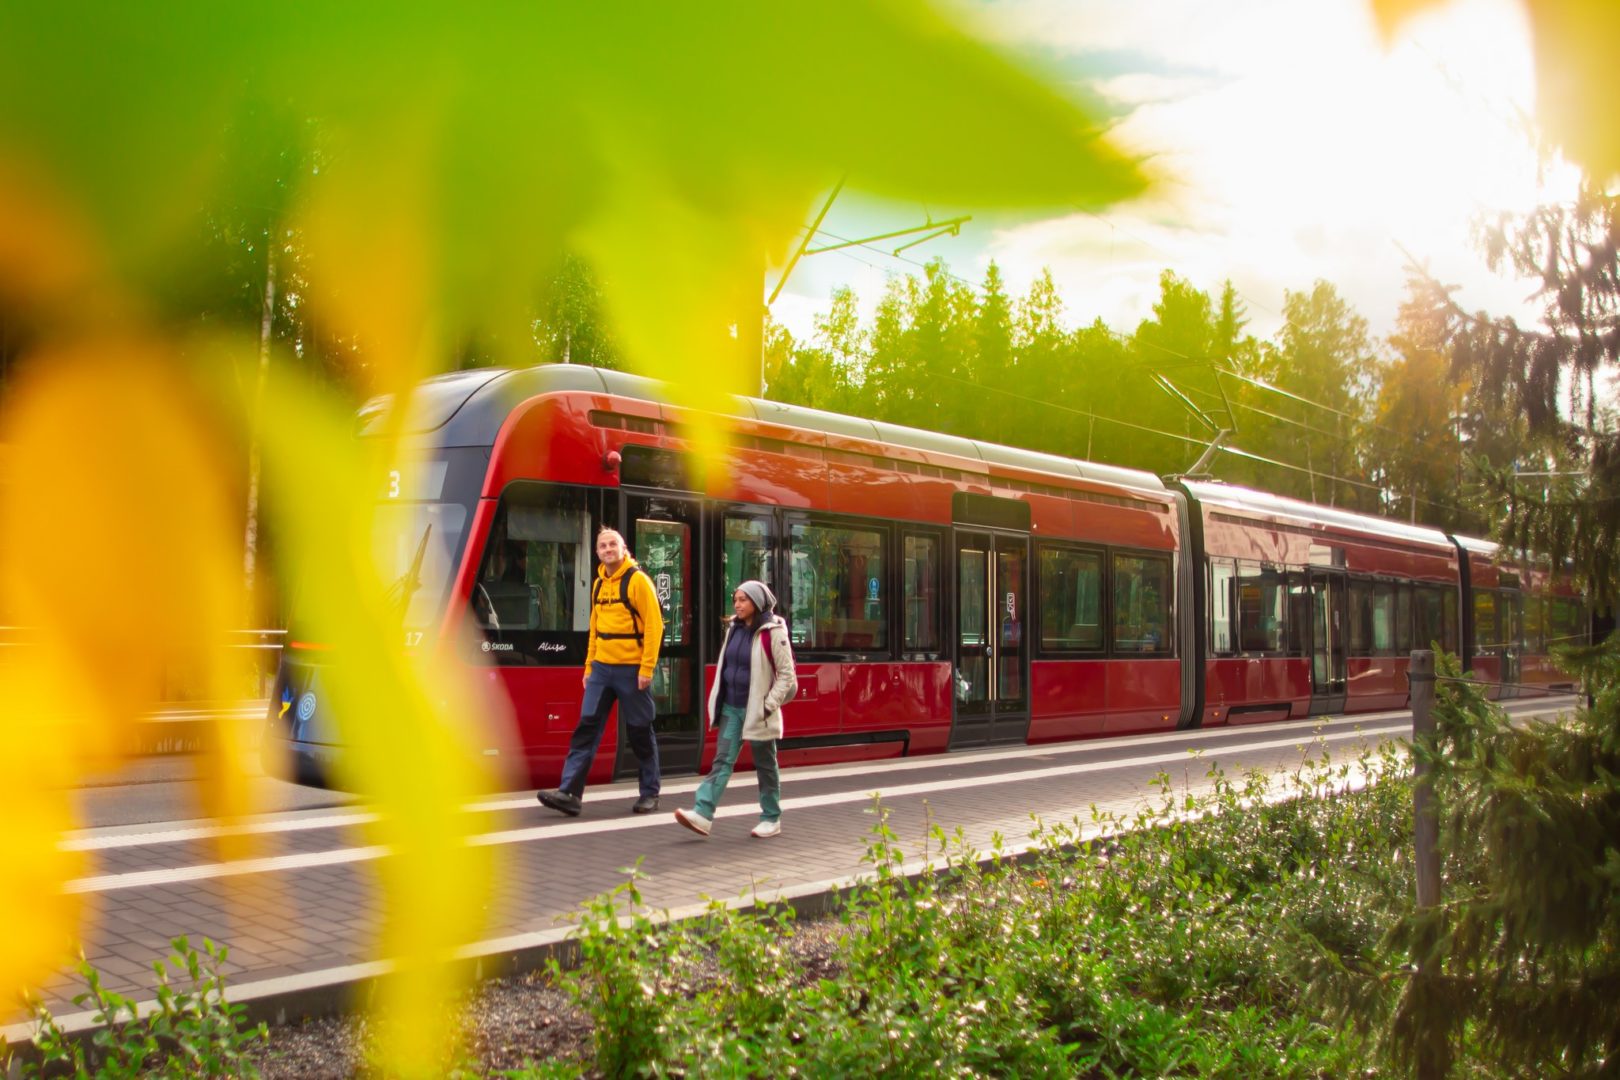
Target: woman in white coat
[[756, 676]]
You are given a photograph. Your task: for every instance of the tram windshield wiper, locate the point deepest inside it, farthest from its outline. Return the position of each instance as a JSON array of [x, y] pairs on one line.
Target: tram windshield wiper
[[408, 583]]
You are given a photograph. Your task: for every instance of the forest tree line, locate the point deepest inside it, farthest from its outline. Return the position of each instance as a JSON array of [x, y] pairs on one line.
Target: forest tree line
[[1323, 412], [1412, 427]]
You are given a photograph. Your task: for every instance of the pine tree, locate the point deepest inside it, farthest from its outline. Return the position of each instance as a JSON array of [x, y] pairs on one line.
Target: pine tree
[[1554, 378]]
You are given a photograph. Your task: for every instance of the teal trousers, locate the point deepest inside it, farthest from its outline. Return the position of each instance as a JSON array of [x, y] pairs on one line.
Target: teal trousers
[[725, 760]]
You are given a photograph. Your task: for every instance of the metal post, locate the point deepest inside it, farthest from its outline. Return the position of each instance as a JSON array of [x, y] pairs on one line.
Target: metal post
[[1426, 823]]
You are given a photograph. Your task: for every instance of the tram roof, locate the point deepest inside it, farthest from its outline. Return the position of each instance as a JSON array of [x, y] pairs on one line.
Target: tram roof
[[1234, 497], [467, 408]]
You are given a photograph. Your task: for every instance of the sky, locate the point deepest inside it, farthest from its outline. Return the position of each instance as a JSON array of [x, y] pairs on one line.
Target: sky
[[1294, 143]]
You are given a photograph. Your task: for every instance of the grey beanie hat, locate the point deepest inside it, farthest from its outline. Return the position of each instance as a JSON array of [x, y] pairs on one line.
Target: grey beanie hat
[[760, 594]]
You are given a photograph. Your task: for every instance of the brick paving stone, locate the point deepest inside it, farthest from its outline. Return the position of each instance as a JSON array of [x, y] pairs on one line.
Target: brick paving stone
[[306, 919]]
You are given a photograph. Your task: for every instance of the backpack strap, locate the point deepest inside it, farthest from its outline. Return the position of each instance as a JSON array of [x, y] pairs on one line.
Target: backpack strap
[[624, 598], [770, 653]]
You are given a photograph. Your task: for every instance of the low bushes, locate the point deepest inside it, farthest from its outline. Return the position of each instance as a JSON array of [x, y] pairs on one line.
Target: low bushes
[[1181, 944], [193, 1031]]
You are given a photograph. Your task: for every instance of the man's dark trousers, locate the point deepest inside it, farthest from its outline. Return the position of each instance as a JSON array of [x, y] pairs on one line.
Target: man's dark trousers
[[606, 684]]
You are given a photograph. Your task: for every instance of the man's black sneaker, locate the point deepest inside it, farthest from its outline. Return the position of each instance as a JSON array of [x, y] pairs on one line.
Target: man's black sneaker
[[644, 805], [561, 801]]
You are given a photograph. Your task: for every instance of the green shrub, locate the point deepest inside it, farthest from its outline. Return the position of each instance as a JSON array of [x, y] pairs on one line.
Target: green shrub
[[1180, 942], [625, 980], [192, 1032]]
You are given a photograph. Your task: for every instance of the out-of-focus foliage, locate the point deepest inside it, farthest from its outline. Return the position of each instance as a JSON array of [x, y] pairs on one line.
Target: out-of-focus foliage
[[413, 177], [109, 453], [459, 157]]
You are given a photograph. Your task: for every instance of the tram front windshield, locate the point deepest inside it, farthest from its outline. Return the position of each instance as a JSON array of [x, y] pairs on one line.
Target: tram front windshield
[[419, 531]]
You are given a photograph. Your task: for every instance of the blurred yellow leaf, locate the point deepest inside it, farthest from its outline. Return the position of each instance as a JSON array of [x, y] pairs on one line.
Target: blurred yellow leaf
[[437, 163], [46, 257], [417, 727], [1577, 80], [1391, 15], [41, 920], [117, 551], [119, 538]]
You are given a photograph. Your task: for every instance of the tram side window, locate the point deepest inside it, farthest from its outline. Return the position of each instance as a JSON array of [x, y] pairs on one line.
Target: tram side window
[[745, 555], [1428, 618], [1361, 594], [838, 589], [1141, 604], [1535, 626], [1259, 608], [1071, 599], [920, 594], [1486, 634], [1511, 606], [1383, 618], [1403, 619], [1222, 582], [1568, 623], [536, 573], [1299, 613]]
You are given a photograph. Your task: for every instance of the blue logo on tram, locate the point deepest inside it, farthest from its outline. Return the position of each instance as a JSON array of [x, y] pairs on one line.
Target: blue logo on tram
[[306, 707]]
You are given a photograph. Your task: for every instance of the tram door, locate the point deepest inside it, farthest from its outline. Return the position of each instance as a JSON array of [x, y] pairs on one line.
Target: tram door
[[991, 675], [1330, 629], [664, 533]]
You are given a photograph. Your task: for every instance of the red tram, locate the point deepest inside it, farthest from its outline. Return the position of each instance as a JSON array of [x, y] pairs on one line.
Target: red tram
[[941, 593]]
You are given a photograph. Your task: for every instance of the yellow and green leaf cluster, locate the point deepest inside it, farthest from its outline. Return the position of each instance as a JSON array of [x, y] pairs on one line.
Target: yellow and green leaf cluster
[[436, 164]]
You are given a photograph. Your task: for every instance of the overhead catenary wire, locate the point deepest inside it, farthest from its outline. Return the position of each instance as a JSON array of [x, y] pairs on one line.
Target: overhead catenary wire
[[1231, 450], [1410, 455]]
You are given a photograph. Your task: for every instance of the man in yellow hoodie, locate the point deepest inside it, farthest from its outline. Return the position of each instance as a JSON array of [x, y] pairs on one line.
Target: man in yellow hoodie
[[627, 628]]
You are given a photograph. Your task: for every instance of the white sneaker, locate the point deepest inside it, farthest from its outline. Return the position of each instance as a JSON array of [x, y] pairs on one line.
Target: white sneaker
[[695, 821], [767, 829]]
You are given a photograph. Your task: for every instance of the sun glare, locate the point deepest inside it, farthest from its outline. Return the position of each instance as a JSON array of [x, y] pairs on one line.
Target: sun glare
[[1299, 146]]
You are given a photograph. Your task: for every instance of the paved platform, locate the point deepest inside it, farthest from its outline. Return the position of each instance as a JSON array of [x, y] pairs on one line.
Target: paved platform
[[301, 920]]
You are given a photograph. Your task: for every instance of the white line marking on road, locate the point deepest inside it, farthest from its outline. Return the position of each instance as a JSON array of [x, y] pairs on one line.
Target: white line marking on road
[[147, 878], [807, 802], [214, 832], [1361, 722], [137, 879], [92, 841]]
